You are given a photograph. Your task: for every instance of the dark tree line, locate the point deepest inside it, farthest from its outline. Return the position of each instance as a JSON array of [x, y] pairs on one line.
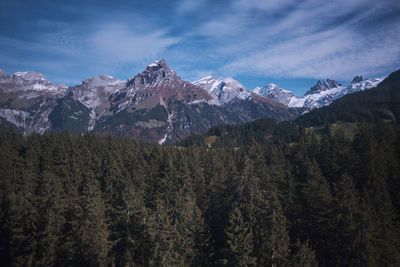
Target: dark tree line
[[100, 201]]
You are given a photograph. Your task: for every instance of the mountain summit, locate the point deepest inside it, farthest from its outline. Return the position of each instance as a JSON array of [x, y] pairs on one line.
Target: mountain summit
[[274, 92], [223, 91], [158, 83], [323, 86]]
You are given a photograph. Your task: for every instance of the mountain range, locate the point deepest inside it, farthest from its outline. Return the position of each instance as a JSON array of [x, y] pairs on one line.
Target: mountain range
[[155, 105], [321, 94]]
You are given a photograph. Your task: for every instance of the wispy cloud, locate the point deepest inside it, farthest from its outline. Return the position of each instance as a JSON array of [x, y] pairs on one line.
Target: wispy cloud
[[188, 6], [119, 43], [308, 39]]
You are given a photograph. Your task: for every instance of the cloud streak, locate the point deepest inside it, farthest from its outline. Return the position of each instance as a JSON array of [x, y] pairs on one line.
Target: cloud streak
[[118, 43]]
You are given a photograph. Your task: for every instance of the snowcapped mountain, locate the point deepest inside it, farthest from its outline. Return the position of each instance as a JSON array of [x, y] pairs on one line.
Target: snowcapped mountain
[[321, 94], [28, 81], [223, 91], [320, 87], [157, 83], [26, 100], [272, 91], [247, 105], [94, 93]]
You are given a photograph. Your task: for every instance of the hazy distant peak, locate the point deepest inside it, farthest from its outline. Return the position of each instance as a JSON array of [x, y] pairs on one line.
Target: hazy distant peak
[[357, 79], [323, 86]]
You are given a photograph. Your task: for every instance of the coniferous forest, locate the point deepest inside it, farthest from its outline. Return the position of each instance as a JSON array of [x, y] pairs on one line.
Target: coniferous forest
[[99, 201], [259, 194]]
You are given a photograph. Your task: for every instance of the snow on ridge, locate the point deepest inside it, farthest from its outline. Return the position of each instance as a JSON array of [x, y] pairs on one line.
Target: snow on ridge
[[108, 82], [162, 140], [274, 92], [197, 101], [326, 97], [154, 64], [29, 75], [244, 95], [321, 94]]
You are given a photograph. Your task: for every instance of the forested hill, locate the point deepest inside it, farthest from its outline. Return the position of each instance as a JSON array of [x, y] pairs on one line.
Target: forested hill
[[97, 201], [262, 131], [380, 103]]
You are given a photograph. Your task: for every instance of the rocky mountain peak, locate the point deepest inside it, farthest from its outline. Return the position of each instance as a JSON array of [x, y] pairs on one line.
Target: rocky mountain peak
[[357, 79], [155, 72], [156, 65], [323, 86], [274, 92]]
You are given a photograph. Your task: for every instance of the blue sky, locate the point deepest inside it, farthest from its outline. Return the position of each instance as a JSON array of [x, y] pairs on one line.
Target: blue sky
[[291, 43]]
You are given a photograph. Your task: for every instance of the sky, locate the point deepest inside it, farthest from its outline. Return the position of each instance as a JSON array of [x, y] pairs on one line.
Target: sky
[[292, 43]]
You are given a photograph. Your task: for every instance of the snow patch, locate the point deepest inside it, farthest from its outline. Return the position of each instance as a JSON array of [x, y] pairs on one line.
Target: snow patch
[[197, 101], [154, 64], [162, 140], [16, 117]]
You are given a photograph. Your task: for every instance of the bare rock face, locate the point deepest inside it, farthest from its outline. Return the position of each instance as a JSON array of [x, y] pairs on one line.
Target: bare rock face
[[323, 86], [357, 79]]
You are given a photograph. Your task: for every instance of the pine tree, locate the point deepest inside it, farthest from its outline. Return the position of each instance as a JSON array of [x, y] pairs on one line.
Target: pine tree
[[50, 207], [239, 241], [277, 244], [305, 256], [93, 230]]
